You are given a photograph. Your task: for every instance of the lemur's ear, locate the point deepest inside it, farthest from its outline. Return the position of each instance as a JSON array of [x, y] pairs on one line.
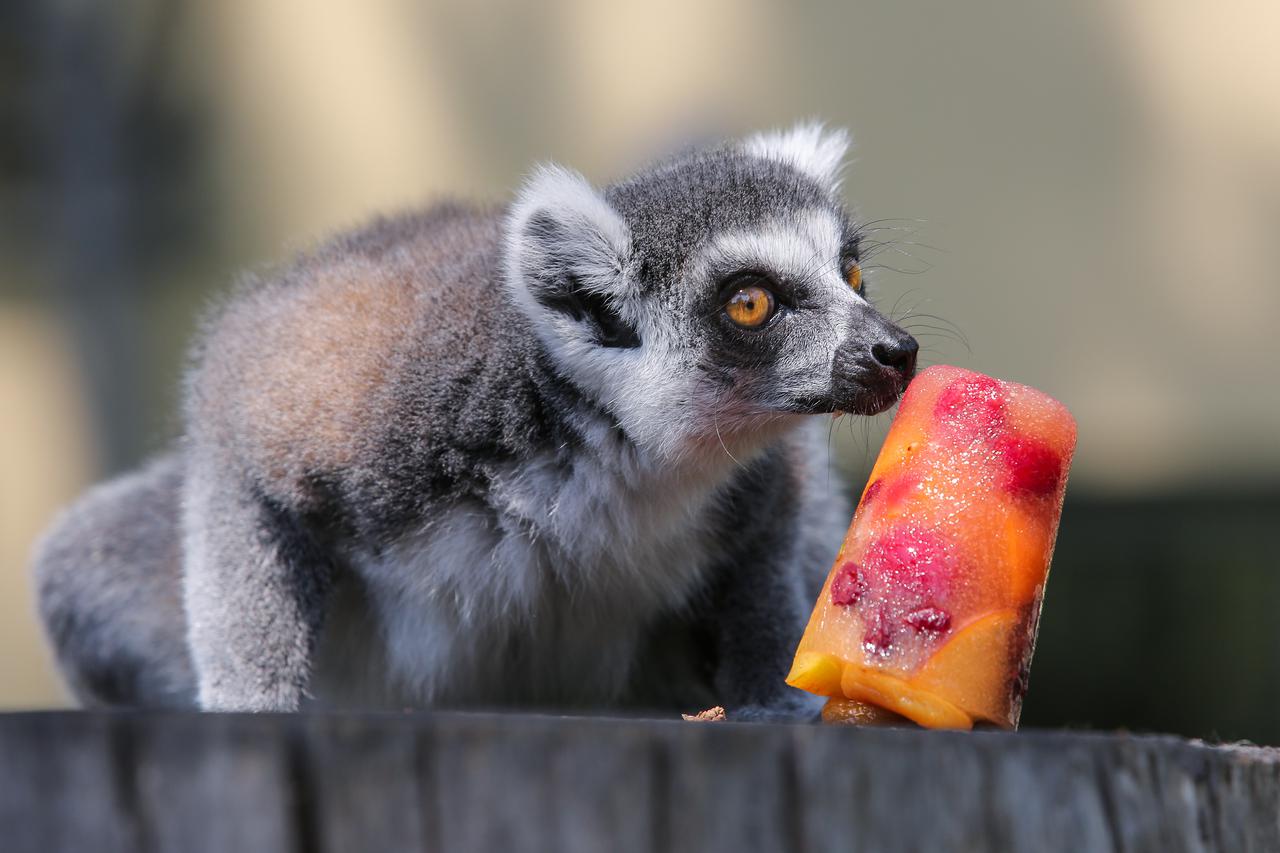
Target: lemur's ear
[[809, 147], [566, 263]]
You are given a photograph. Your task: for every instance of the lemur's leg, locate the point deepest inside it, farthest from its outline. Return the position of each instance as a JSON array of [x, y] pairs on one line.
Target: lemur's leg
[[255, 586], [109, 582], [760, 610], [784, 530]]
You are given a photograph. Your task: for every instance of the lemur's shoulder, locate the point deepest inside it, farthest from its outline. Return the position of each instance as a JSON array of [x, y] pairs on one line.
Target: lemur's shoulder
[[292, 373]]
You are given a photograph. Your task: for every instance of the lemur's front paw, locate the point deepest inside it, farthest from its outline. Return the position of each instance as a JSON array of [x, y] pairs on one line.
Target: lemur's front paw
[[224, 697], [785, 711]]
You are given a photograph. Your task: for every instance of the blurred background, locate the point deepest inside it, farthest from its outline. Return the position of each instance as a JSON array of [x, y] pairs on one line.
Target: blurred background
[[1088, 192]]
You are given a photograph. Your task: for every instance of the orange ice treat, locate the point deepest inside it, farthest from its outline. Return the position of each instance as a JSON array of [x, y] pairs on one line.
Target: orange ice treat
[[931, 608]]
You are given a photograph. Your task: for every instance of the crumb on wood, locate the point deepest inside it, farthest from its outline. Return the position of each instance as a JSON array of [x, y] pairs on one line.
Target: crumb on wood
[[711, 715]]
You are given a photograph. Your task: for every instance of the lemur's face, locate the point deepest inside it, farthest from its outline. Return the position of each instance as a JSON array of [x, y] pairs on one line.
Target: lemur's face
[[711, 300], [784, 324]]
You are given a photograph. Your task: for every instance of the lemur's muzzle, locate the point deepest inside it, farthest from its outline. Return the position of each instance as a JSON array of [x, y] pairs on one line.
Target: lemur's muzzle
[[873, 365]]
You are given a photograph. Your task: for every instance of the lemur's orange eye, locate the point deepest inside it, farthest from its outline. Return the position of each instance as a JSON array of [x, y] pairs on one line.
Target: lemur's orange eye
[[750, 307], [855, 278]]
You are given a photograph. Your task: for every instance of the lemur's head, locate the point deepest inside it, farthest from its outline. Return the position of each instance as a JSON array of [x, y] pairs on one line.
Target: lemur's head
[[711, 298]]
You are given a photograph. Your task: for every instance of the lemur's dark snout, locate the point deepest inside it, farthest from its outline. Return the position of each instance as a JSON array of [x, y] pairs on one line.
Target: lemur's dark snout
[[872, 368]]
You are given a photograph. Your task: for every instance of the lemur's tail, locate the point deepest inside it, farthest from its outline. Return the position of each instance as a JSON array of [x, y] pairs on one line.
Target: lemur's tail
[[108, 578]]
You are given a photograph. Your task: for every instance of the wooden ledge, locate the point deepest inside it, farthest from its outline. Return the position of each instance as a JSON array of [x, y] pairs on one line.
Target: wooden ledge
[[459, 782]]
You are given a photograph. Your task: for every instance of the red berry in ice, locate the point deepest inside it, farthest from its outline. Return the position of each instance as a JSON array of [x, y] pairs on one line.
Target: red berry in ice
[[914, 561], [973, 401], [879, 635], [848, 585], [932, 619], [1033, 467]]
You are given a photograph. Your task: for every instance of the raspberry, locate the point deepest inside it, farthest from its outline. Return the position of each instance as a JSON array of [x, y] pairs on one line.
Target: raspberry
[[848, 585], [913, 561], [931, 619], [974, 402], [1033, 468], [879, 635]]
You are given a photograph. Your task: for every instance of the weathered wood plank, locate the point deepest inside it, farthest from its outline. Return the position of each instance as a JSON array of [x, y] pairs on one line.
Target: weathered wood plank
[[727, 793], [362, 780], [906, 792], [59, 788], [459, 782], [537, 784], [206, 784]]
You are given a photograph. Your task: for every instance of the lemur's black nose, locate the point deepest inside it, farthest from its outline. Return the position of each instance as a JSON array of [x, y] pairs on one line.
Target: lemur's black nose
[[873, 365], [897, 353]]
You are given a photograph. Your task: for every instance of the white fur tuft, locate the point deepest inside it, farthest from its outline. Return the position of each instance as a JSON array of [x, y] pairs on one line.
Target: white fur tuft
[[809, 147], [596, 236]]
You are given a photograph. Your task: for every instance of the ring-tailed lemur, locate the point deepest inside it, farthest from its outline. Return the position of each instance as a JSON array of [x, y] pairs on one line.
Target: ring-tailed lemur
[[559, 454]]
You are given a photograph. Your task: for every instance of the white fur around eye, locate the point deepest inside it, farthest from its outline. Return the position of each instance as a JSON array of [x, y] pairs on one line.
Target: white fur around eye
[[809, 147], [802, 247]]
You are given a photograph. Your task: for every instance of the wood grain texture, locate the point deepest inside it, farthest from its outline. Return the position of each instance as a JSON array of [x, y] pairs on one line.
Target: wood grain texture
[[459, 782]]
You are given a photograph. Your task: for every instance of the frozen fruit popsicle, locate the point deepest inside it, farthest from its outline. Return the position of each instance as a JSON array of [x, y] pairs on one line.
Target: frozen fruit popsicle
[[931, 608]]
